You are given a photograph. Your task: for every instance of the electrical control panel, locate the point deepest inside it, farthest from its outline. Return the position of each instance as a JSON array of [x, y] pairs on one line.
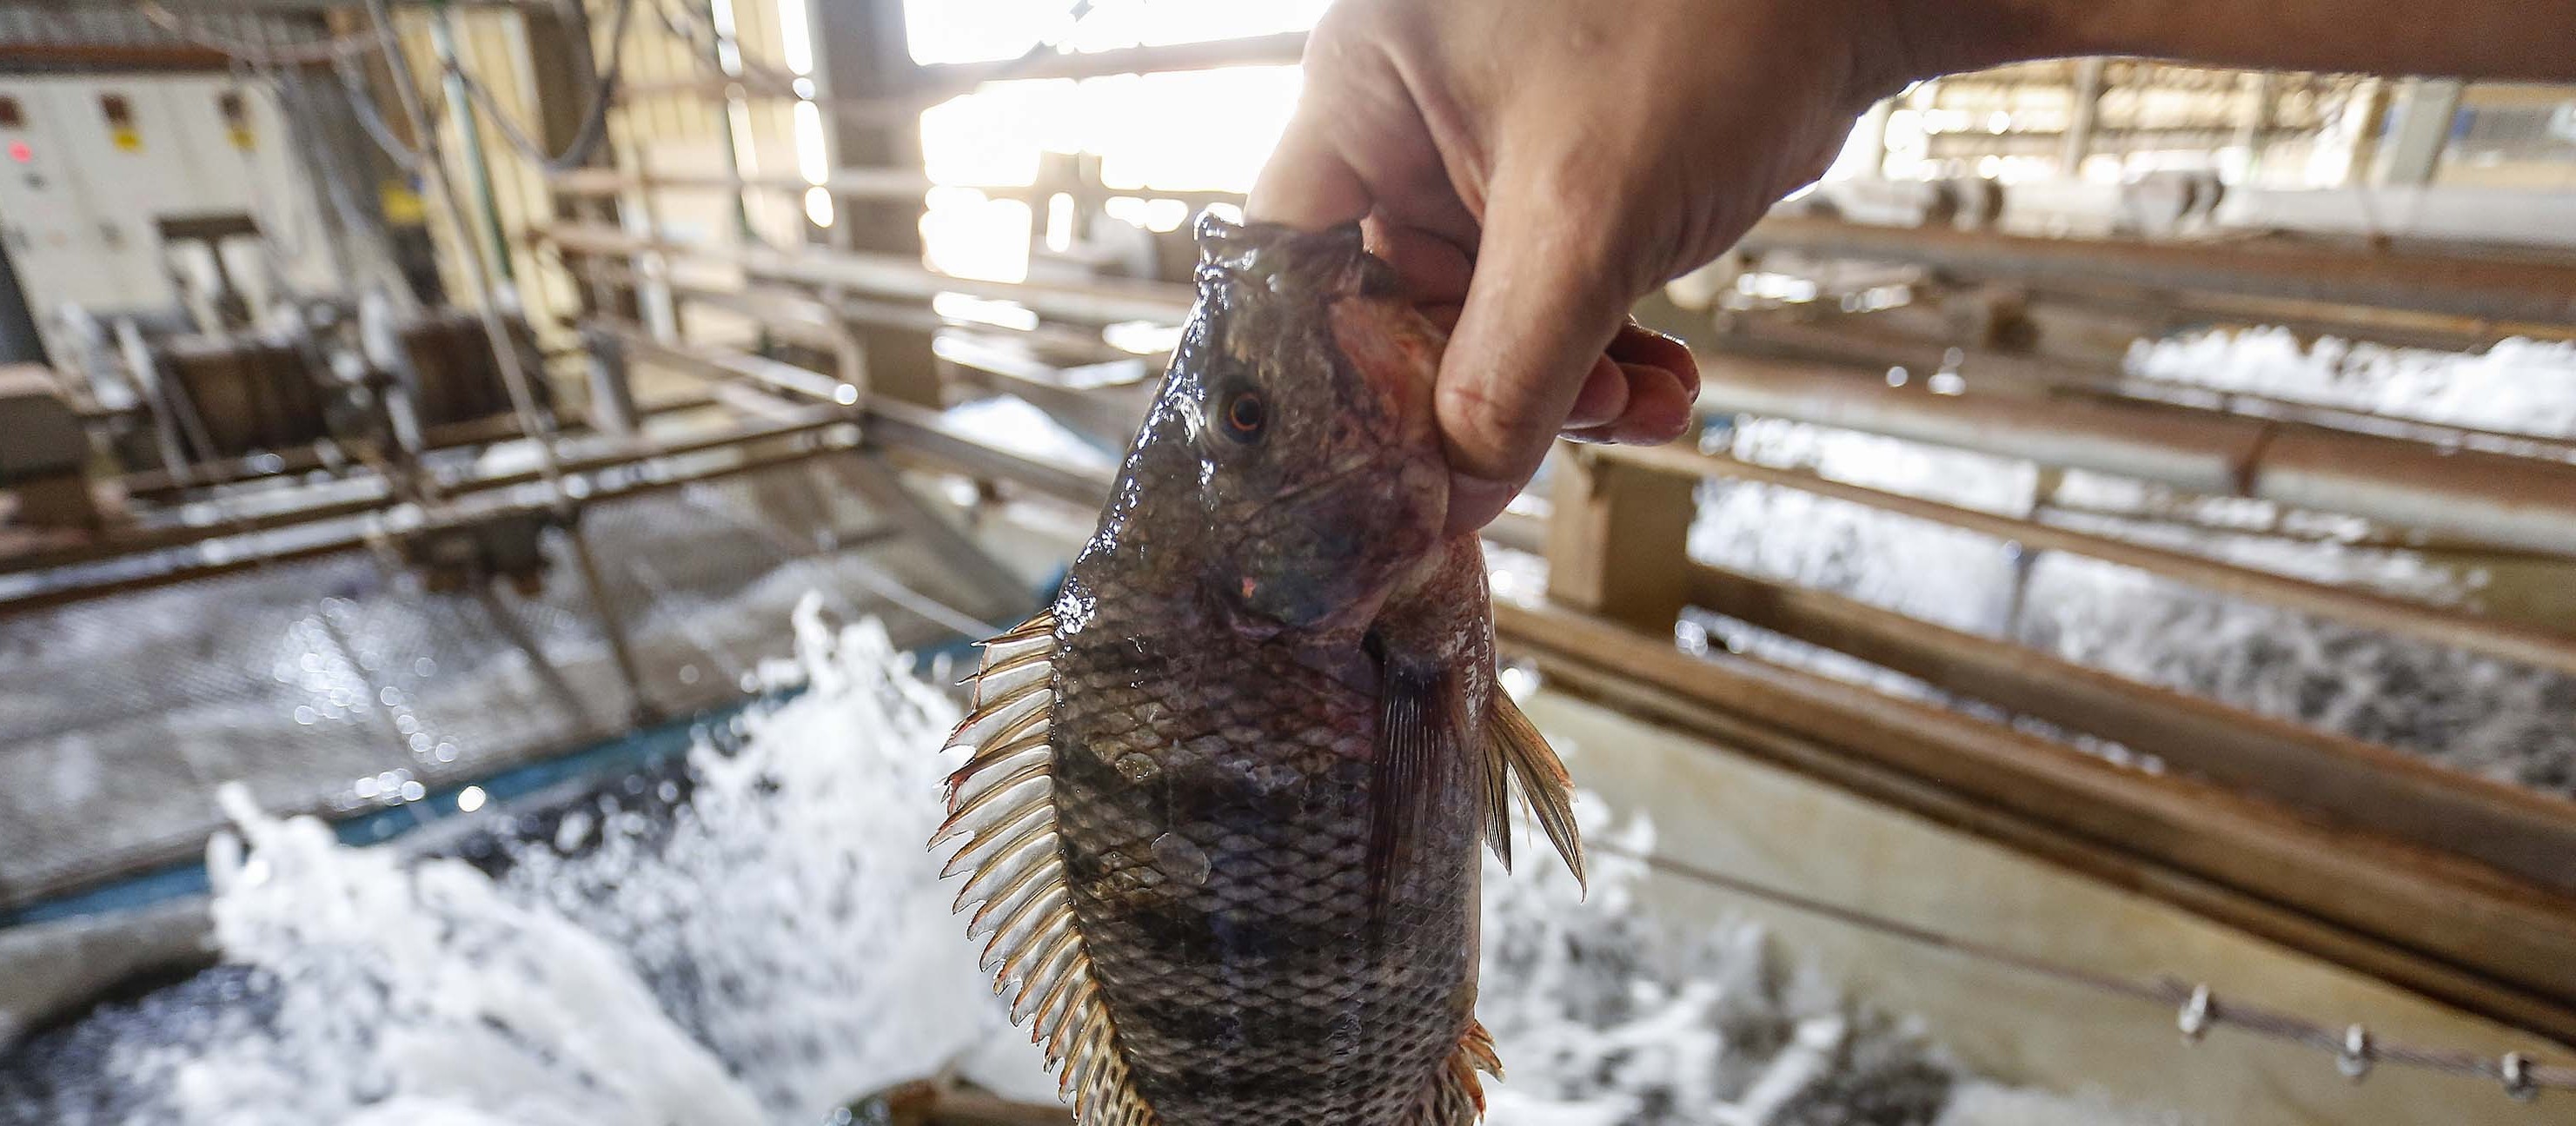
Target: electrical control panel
[[93, 167]]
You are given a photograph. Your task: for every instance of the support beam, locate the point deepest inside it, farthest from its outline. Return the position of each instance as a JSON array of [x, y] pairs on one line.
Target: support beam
[[2356, 784], [2419, 127], [2086, 95], [2454, 914], [2508, 640], [861, 52], [2473, 495], [2490, 288], [1617, 540]]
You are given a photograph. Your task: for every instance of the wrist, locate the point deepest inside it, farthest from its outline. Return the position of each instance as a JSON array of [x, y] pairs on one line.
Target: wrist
[[1937, 37]]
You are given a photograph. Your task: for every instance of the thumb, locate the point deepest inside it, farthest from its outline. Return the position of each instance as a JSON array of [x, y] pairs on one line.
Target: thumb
[[1307, 183], [1542, 304]]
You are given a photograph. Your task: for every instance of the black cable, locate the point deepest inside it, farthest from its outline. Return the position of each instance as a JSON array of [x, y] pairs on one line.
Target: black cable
[[2518, 1073], [594, 118]]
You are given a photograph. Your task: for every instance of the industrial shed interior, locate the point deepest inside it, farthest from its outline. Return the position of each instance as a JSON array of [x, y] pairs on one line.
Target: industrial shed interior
[[495, 499]]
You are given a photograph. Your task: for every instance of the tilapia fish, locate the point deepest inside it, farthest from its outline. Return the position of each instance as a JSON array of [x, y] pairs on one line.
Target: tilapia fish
[[1224, 798]]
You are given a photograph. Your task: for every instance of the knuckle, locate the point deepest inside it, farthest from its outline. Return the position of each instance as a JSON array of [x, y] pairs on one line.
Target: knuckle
[[1493, 424]]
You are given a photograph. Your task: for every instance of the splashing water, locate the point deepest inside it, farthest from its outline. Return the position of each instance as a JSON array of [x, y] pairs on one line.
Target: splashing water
[[2518, 385], [775, 942], [2506, 721]]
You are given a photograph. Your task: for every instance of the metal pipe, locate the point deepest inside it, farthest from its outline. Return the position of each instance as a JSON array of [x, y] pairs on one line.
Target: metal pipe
[[469, 133], [363, 531], [505, 349], [1099, 302], [2508, 640], [2486, 497], [379, 495], [2495, 289]]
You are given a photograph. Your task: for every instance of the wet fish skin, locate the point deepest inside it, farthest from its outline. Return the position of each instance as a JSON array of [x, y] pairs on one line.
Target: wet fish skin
[[1267, 756]]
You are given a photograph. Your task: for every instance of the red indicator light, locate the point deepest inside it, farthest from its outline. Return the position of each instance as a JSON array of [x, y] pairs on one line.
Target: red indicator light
[[18, 151]]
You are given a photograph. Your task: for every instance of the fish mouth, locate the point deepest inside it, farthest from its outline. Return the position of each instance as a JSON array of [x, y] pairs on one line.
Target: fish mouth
[[1278, 258]]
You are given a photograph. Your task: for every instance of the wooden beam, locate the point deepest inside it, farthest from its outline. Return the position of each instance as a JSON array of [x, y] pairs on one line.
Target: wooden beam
[[2357, 784], [2111, 862], [2442, 908], [2509, 640], [2509, 501], [2491, 288], [1617, 540], [1870, 344]]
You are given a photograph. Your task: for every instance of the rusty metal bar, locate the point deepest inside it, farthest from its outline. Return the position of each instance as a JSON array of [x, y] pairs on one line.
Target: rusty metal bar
[[359, 537], [1097, 302]]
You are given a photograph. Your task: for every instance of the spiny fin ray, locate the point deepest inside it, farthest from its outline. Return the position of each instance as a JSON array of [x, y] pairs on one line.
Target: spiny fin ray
[[1455, 1097], [1002, 800], [1514, 743]]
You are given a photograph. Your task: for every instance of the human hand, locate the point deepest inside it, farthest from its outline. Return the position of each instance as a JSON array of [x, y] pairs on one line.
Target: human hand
[[1532, 167]]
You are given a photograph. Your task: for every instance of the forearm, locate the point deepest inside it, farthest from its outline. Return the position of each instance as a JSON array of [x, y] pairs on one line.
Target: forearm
[[2497, 39]]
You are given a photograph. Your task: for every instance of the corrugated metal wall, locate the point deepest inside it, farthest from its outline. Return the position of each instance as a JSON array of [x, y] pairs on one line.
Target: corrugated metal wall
[[659, 128], [70, 25], [674, 126]]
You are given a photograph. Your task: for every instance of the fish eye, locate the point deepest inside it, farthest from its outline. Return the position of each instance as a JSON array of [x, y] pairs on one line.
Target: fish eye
[[1243, 414]]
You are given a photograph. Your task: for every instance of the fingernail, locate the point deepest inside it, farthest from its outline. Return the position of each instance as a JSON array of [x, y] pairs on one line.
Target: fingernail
[[1603, 397]]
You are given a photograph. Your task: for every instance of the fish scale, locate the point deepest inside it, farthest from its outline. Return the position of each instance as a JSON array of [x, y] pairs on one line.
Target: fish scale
[[1221, 802], [1263, 940]]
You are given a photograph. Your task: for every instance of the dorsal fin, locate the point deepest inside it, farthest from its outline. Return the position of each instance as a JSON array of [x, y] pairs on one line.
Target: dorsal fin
[[1002, 802], [1513, 744]]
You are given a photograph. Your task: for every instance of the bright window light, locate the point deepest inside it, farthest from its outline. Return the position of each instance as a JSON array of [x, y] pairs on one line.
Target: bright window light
[[811, 157], [795, 36], [1059, 227]]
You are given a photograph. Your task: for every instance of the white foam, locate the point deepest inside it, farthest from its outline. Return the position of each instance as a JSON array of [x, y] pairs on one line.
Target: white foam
[[779, 944]]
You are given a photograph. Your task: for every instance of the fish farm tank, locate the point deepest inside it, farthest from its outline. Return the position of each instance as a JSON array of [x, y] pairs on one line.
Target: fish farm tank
[[500, 504]]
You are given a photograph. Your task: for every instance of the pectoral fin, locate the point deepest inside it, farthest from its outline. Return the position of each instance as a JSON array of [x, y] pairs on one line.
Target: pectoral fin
[[1417, 733], [1513, 745]]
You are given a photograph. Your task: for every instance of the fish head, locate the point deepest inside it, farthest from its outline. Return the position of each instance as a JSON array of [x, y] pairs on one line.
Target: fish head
[[1304, 381]]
